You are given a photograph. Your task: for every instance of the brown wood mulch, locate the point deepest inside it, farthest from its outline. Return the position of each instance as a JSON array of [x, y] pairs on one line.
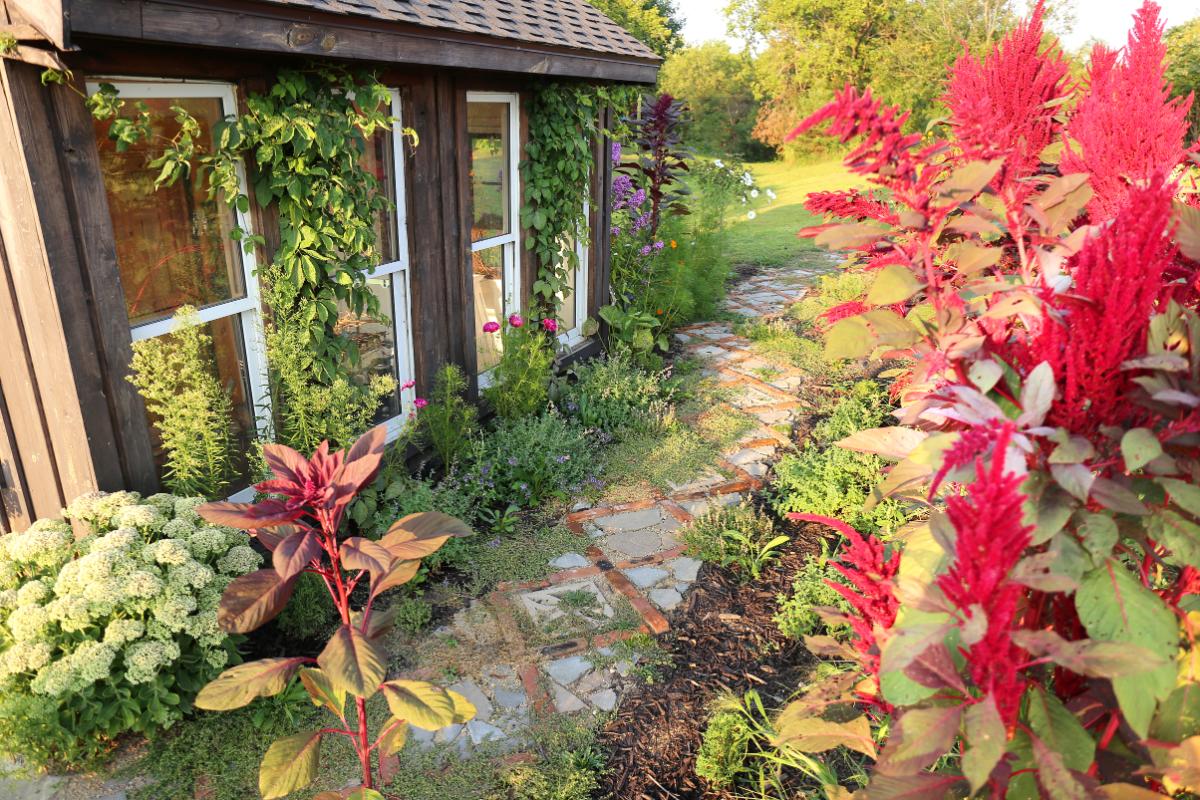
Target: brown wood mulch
[[723, 640]]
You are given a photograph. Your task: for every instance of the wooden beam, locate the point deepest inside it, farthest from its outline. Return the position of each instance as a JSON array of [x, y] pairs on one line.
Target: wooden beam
[[49, 295], [293, 31], [50, 17]]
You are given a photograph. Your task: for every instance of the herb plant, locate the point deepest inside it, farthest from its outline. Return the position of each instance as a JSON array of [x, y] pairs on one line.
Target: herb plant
[[735, 536], [447, 421], [521, 380], [301, 524]]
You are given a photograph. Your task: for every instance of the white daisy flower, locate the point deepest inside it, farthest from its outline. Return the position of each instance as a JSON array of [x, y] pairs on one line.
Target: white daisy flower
[[754, 192], [751, 214], [770, 194], [718, 163]]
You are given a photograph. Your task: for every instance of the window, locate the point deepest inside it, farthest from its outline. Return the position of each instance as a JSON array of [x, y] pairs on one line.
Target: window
[[493, 125], [174, 247], [573, 302], [385, 343]]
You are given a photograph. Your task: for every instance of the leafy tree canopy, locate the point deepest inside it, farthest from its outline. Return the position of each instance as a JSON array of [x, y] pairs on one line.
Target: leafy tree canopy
[[654, 22], [1183, 67], [717, 85]]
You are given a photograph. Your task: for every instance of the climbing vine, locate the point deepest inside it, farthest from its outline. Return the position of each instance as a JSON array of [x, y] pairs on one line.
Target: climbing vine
[[564, 120], [305, 138]]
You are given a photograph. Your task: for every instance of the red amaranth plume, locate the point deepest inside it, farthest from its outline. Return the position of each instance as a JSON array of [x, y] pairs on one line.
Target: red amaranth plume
[[851, 308], [886, 153], [873, 596], [851, 204], [1128, 128], [991, 538], [1118, 279], [1002, 105]]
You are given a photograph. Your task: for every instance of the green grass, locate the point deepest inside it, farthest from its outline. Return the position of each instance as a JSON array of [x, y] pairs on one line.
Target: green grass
[[770, 239]]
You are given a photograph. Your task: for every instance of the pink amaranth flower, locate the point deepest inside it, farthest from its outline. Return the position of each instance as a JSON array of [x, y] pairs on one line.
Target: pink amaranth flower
[[550, 325], [420, 402], [516, 320], [491, 327]]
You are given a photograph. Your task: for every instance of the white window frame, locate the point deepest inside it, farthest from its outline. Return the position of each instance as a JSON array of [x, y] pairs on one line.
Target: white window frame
[[508, 241], [247, 309], [574, 337], [401, 284]]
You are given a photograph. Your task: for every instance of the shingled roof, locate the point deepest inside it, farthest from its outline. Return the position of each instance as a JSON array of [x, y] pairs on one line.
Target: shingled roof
[[562, 23]]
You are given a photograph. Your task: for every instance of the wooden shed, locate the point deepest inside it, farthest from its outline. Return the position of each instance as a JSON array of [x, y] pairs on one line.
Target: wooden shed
[[89, 266]]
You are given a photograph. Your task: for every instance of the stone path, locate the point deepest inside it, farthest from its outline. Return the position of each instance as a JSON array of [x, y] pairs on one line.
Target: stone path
[[552, 646], [630, 571]]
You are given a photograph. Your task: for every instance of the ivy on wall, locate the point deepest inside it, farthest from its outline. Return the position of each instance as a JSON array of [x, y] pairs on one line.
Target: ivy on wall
[[564, 120]]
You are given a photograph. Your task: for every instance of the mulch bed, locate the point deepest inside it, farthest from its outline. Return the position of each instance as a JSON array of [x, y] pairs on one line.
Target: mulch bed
[[723, 640]]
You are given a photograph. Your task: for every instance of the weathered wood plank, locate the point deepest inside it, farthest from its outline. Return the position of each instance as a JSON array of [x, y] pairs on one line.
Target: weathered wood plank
[[27, 476], [285, 30], [100, 278], [50, 17], [47, 286]]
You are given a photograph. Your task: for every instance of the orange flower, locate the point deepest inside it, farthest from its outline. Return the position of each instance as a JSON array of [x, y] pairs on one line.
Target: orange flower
[[659, 312], [673, 245]]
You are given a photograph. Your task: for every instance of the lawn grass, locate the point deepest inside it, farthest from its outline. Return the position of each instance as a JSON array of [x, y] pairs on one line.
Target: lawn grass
[[770, 239]]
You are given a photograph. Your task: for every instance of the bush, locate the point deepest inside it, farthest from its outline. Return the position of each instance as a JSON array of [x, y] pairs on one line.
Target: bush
[[734, 536], [448, 421], [725, 748], [113, 632], [614, 395], [311, 614], [531, 459], [796, 618], [521, 380]]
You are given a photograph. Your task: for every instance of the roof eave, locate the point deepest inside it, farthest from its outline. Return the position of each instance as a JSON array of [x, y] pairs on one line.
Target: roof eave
[[278, 29]]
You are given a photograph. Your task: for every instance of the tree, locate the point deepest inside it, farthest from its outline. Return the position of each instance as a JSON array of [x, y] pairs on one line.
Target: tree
[[1183, 67], [655, 22], [717, 85], [901, 48]]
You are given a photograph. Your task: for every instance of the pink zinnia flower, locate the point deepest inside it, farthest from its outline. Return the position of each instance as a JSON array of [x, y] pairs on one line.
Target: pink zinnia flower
[[420, 402], [516, 320], [491, 327], [550, 325]]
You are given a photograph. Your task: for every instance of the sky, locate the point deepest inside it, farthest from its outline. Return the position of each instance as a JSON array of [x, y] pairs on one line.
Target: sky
[[1106, 20]]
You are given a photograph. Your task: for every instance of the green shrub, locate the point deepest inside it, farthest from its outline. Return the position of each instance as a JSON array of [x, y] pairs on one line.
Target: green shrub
[[521, 380], [835, 288], [614, 395], [114, 632], [310, 614], [832, 481], [778, 339], [725, 748], [530, 459], [412, 614], [448, 422], [796, 618], [737, 536], [191, 410], [559, 778]]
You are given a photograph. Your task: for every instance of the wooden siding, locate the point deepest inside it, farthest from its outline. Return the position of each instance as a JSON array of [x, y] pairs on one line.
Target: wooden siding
[[69, 420]]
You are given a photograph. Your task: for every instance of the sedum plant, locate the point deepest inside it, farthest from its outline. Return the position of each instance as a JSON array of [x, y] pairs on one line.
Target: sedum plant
[[112, 631], [300, 523]]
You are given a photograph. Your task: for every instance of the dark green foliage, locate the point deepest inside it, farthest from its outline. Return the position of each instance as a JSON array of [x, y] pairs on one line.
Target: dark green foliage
[[796, 618], [718, 86], [310, 615], [741, 537], [614, 395], [529, 460]]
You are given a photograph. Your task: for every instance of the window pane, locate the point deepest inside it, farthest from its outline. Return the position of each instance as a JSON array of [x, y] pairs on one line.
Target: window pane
[[228, 361], [488, 271], [380, 162], [566, 313], [173, 245], [487, 129], [376, 340]]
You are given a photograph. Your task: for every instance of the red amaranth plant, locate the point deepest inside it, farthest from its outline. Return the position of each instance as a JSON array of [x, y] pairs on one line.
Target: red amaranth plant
[[1127, 90], [1004, 104], [300, 523]]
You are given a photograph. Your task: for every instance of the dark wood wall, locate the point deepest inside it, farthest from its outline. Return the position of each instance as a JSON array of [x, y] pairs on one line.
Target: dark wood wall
[[69, 420]]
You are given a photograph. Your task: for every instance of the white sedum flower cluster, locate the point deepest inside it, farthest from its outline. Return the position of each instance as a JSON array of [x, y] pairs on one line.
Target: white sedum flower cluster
[[129, 602]]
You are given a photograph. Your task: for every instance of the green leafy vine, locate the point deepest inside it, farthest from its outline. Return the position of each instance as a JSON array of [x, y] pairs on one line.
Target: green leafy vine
[[305, 138], [564, 120]]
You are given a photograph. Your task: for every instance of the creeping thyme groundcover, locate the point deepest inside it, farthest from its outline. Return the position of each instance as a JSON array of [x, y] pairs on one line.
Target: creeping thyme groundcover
[[110, 626]]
